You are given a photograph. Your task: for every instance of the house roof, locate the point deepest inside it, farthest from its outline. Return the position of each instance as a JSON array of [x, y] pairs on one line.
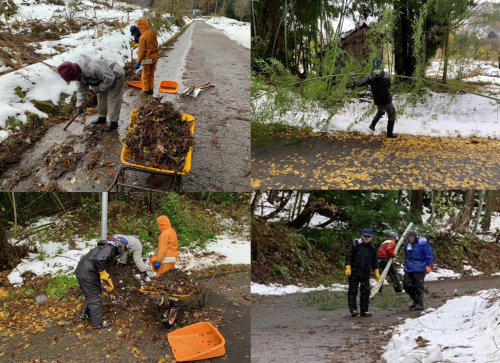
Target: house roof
[[348, 33]]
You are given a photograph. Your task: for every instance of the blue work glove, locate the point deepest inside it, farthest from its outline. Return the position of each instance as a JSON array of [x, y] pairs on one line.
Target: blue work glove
[[157, 265], [351, 74], [80, 111], [98, 90], [137, 66]]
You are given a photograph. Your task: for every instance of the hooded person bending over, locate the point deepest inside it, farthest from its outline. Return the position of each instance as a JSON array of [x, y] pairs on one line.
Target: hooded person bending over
[[168, 248], [109, 78], [380, 83], [147, 56], [91, 269]]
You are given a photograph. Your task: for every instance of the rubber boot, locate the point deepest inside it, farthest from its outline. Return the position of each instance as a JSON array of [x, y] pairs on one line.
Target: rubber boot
[[420, 302], [366, 313], [105, 324], [99, 120], [375, 120], [390, 129], [121, 265], [112, 126], [144, 274], [149, 93], [354, 313]]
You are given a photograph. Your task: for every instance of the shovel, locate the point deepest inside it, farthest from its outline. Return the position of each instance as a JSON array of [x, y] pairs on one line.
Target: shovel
[[40, 296], [85, 105], [194, 90]]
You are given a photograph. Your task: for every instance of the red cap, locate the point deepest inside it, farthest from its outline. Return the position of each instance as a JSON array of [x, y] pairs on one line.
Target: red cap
[[111, 238], [68, 71]]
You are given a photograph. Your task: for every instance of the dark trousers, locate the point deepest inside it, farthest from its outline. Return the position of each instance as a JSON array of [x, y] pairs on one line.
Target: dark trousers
[[92, 306], [364, 288], [413, 283], [392, 274], [391, 113]]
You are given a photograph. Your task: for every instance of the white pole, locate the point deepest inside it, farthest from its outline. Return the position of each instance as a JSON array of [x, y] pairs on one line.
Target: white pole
[[104, 216]]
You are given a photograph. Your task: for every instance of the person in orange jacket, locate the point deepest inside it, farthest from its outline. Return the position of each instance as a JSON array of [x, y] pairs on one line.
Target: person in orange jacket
[[147, 55], [168, 248]]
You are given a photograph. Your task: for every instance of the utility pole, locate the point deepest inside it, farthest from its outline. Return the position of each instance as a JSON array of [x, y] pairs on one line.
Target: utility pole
[[104, 216]]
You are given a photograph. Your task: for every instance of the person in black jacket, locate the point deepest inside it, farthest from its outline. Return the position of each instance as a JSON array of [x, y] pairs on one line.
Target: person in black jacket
[[361, 259], [380, 83], [90, 271]]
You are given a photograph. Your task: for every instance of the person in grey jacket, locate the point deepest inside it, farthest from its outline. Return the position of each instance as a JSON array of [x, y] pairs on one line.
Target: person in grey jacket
[[134, 246], [89, 272], [380, 83], [109, 78]]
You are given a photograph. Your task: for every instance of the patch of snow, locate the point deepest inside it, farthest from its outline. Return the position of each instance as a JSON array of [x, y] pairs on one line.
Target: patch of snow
[[277, 289], [238, 31], [3, 135], [472, 270], [461, 331], [438, 274], [65, 262]]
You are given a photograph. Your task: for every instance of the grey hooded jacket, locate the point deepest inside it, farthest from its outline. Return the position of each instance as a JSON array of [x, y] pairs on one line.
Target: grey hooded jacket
[[96, 72]]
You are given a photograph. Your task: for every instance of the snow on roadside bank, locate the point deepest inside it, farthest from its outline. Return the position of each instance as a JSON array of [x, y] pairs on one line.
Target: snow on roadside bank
[[238, 31], [225, 250], [461, 331], [64, 263], [277, 289], [465, 115], [437, 274], [34, 79]]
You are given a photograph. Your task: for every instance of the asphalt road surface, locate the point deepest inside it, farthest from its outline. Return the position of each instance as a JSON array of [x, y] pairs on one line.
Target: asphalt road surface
[[354, 161]]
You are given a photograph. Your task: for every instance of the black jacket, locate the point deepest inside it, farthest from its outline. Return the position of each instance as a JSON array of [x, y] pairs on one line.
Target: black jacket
[[98, 259], [362, 258], [381, 87]]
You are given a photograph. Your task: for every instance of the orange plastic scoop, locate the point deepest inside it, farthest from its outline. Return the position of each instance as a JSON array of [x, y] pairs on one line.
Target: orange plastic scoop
[[169, 87], [196, 342], [137, 84]]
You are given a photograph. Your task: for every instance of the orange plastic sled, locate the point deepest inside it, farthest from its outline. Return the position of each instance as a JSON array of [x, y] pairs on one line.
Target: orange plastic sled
[[196, 342], [168, 87], [137, 84]]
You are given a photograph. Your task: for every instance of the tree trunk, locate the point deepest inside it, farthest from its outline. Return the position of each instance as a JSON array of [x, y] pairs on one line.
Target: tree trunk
[[492, 204], [478, 213], [417, 202], [446, 48], [304, 217], [275, 24], [463, 218], [404, 64], [255, 200]]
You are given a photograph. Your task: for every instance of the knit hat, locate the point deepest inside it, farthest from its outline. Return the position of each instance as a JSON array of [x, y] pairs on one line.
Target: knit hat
[[68, 71], [411, 233], [133, 30], [111, 238]]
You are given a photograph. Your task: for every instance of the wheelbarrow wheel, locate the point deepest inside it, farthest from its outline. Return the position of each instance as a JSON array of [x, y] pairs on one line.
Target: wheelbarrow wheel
[[171, 314]]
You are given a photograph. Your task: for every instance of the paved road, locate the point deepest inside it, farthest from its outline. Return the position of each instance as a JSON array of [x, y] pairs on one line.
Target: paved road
[[221, 160], [222, 154], [354, 161], [286, 330]]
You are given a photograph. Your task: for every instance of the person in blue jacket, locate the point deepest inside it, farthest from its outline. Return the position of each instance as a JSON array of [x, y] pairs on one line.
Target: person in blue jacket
[[419, 260]]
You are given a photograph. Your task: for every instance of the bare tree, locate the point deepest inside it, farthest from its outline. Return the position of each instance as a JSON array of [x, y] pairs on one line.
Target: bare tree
[[242, 8]]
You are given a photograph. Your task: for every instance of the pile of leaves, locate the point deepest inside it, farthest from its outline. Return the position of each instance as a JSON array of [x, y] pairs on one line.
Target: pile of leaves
[[158, 137], [174, 282]]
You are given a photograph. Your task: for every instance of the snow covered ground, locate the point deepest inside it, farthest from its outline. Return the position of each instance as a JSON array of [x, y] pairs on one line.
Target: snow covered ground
[[463, 330], [441, 115], [103, 41], [277, 289], [238, 31], [226, 249]]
